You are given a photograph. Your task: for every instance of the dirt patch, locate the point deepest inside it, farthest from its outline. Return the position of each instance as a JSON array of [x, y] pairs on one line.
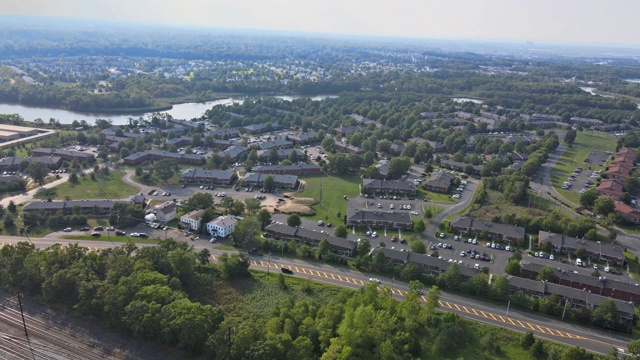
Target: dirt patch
[[289, 207], [305, 201]]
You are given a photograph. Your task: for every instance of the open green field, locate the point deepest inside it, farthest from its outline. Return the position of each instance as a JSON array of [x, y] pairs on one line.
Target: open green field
[[497, 205], [434, 209], [109, 186], [574, 156], [112, 238], [329, 191], [438, 198]]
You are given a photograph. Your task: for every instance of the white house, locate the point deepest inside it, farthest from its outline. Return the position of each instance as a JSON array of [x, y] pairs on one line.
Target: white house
[[193, 219], [166, 212], [221, 226]]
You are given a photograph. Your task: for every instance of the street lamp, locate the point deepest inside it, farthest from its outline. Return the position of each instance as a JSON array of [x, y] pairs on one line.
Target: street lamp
[[269, 263]]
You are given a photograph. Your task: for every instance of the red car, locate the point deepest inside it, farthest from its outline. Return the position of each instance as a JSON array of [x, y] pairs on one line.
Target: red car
[[394, 239]]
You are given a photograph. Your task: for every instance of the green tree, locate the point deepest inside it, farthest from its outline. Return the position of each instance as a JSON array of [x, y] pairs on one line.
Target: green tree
[[512, 268], [500, 288], [340, 231], [294, 220], [246, 230], [588, 199], [576, 353], [323, 248], [8, 221], [73, 178], [165, 169], [264, 217], [398, 166], [570, 137], [227, 203], [12, 207], [546, 274], [269, 183], [450, 278], [417, 246], [37, 170], [200, 200], [527, 340], [632, 185], [252, 205], [634, 347], [581, 253], [237, 208], [419, 226], [604, 205], [432, 300], [139, 171], [605, 315]]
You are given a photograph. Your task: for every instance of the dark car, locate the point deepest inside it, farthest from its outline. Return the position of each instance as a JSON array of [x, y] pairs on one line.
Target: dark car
[[184, 186], [86, 228], [143, 235], [120, 232], [98, 228], [95, 233], [286, 271]]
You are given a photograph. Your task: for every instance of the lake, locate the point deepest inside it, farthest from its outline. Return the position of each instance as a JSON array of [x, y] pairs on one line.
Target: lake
[[179, 111]]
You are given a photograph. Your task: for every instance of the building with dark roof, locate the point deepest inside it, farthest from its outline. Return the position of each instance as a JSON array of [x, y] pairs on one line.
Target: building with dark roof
[[574, 298], [277, 143], [144, 157], [13, 163], [282, 153], [220, 177], [282, 181], [595, 250], [460, 166], [88, 207], [303, 138], [426, 264], [234, 152], [348, 148], [440, 181], [504, 232], [299, 169], [225, 133], [389, 186], [595, 285], [64, 154], [337, 245], [379, 218]]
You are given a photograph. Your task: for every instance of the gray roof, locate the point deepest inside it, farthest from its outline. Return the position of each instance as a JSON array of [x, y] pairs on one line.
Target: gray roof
[[78, 154], [275, 143], [279, 179], [378, 215], [440, 179], [303, 136], [559, 240], [62, 204], [225, 132], [383, 185], [235, 151], [208, 174], [504, 229], [281, 152], [568, 292], [310, 234], [223, 221], [285, 168]]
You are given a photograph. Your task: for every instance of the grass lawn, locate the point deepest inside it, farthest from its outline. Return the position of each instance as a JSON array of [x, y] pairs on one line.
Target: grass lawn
[[497, 205], [438, 198], [329, 191], [104, 187], [434, 209], [634, 267], [574, 156]]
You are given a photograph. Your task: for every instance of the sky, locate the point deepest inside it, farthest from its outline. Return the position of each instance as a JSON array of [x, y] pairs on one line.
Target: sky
[[611, 22]]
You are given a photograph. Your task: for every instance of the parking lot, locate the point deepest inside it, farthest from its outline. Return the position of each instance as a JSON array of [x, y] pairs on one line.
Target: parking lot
[[597, 158], [581, 180], [398, 203]]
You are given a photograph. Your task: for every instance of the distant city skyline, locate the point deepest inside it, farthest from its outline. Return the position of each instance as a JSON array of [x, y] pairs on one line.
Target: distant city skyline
[[612, 22]]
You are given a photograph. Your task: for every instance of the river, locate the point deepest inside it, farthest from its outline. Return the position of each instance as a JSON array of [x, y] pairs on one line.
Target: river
[[179, 111]]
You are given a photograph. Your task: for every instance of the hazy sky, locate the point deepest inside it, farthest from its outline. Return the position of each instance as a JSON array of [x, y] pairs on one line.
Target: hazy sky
[[586, 21]]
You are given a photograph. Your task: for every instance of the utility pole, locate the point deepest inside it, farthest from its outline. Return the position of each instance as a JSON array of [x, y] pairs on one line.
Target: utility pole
[[229, 342], [24, 324], [565, 308]]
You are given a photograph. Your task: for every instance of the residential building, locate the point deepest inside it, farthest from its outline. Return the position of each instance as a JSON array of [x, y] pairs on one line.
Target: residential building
[[595, 250], [618, 171], [222, 226], [193, 219], [64, 154], [234, 152], [379, 218], [282, 154], [225, 133], [219, 177], [337, 245], [474, 227], [572, 297], [282, 181], [152, 155], [166, 212], [139, 199], [277, 143], [426, 264], [440, 181], [460, 166], [389, 186], [303, 138], [299, 169], [610, 187], [595, 285], [87, 207], [628, 213], [348, 148], [13, 163]]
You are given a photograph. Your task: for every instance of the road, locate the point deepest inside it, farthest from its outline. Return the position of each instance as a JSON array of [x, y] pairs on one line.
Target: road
[[547, 328]]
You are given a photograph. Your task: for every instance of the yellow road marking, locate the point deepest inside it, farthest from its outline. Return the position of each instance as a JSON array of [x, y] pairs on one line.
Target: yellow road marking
[[531, 326], [541, 329], [502, 318], [483, 314], [423, 298], [493, 317], [520, 322]]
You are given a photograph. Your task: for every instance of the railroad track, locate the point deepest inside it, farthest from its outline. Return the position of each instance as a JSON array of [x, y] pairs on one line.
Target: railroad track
[[54, 338]]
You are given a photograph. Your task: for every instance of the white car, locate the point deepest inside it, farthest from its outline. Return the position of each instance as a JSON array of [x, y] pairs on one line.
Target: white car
[[463, 254], [475, 242], [441, 235], [551, 257], [391, 206], [456, 196]]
